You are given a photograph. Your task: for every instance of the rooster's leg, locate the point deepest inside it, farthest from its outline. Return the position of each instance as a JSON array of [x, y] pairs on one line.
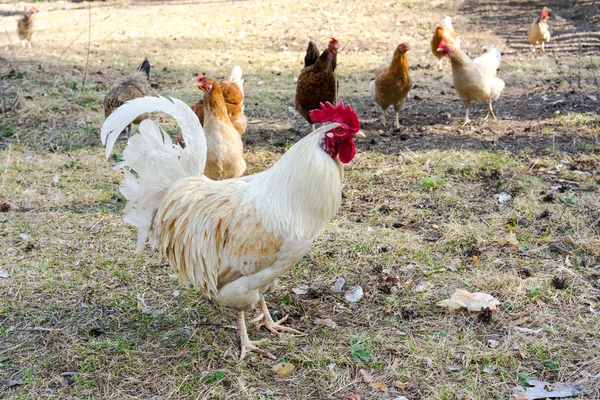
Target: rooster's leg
[[397, 121], [246, 344], [268, 322], [491, 108], [467, 120]]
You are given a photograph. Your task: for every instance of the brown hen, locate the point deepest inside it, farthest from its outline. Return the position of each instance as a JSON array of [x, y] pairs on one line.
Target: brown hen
[[25, 26], [317, 82]]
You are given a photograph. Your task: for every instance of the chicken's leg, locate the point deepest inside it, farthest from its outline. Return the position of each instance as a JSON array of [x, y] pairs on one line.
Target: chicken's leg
[[467, 120], [542, 48], [491, 108], [383, 120], [128, 130], [246, 344], [397, 121], [268, 322], [440, 64]]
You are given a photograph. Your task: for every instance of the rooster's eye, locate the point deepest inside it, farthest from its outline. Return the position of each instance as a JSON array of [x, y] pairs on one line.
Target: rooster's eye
[[339, 130]]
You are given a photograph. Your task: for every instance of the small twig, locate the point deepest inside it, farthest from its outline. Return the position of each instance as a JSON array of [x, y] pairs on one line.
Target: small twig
[[16, 346], [11, 45], [6, 165], [73, 41], [87, 60], [35, 329]]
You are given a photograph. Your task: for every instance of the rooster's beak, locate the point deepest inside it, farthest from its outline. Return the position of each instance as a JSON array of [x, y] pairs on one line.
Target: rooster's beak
[[359, 134]]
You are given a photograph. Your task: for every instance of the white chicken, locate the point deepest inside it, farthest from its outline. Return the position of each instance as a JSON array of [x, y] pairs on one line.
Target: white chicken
[[232, 238], [474, 80]]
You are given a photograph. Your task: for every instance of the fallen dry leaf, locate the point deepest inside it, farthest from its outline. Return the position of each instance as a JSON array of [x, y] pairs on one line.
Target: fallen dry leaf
[[511, 238], [367, 377], [400, 385], [12, 382], [379, 386], [527, 330], [369, 380], [542, 390], [424, 287], [355, 294], [300, 289], [473, 302], [338, 285], [325, 322], [283, 369]]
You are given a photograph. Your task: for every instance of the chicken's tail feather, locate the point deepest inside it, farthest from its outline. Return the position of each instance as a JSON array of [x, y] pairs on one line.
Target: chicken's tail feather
[[236, 77], [151, 161], [447, 21]]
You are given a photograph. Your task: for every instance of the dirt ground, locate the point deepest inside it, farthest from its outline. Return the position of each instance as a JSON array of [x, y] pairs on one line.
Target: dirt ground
[[421, 204]]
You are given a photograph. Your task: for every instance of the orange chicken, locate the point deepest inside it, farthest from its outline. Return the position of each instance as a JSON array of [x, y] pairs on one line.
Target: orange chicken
[[392, 83]]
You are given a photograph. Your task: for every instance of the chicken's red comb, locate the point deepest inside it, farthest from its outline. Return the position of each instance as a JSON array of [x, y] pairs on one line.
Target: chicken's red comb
[[200, 76], [328, 113], [443, 44]]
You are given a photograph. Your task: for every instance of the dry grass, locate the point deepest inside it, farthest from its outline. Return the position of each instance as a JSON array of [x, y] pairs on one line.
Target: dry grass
[[419, 204]]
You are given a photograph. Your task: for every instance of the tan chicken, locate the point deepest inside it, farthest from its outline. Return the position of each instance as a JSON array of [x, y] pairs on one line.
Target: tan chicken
[[443, 30], [25, 27], [538, 31], [474, 80], [234, 238], [132, 87], [224, 158], [392, 83], [233, 94]]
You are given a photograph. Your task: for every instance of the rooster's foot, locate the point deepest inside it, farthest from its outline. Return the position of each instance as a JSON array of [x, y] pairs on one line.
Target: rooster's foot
[[247, 345], [269, 324], [251, 345]]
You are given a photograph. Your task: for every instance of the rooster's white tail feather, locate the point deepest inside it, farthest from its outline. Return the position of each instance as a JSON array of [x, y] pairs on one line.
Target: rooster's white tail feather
[[152, 163]]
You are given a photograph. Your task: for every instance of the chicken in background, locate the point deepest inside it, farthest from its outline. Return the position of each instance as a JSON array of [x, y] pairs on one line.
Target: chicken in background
[[132, 87], [444, 30], [317, 82], [474, 80], [233, 94], [392, 83], [231, 238], [25, 26], [538, 31]]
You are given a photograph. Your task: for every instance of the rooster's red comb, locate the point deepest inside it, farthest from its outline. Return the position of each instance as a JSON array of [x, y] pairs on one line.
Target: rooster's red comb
[[329, 113]]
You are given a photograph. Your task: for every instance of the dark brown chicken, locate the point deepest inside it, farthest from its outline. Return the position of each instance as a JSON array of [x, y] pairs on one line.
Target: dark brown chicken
[[317, 81], [132, 87], [25, 26], [233, 93]]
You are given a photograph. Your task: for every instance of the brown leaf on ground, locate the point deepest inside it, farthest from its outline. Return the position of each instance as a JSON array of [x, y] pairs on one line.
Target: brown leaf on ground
[[473, 302]]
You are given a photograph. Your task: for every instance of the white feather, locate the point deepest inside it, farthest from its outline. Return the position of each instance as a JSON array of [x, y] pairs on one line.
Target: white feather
[[151, 161], [447, 21], [489, 61], [236, 77]]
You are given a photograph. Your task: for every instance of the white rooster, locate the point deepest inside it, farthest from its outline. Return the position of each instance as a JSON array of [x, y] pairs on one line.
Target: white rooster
[[235, 237], [474, 80]]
